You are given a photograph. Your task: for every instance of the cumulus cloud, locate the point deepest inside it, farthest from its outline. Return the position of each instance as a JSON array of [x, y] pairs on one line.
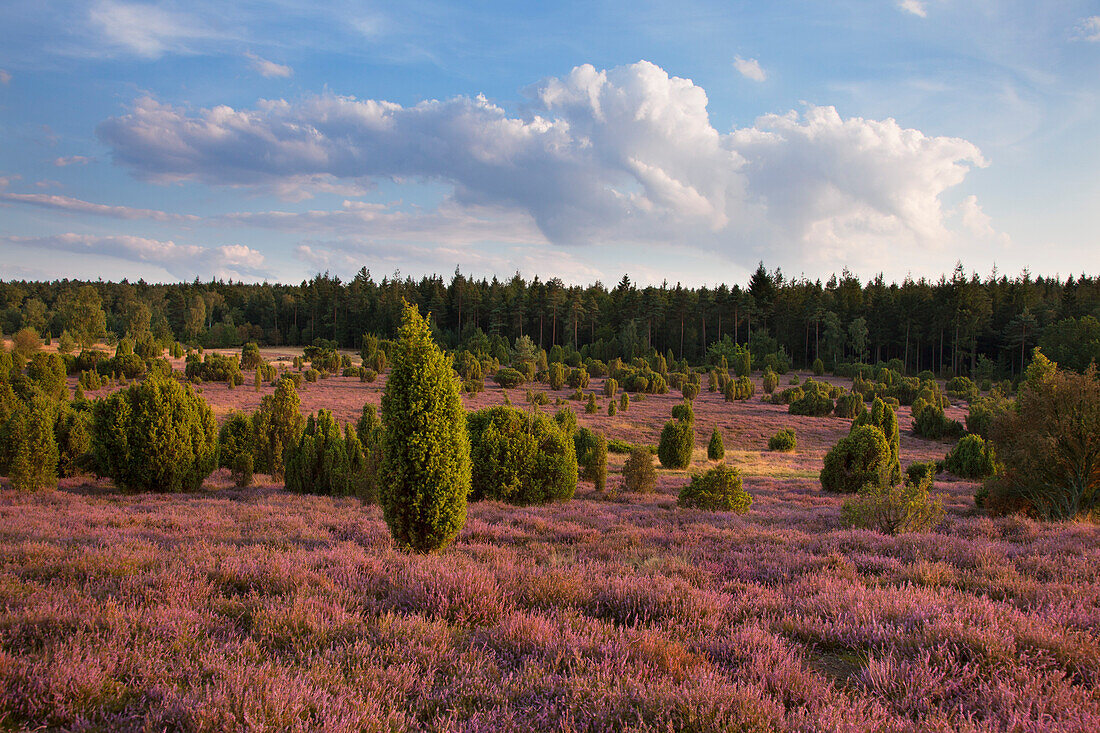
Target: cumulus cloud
[[620, 155], [269, 69], [71, 160], [1088, 29], [916, 7], [144, 30], [180, 260], [5, 77], [976, 222], [749, 68]]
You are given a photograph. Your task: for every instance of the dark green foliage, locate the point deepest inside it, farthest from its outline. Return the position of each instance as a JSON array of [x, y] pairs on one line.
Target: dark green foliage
[[1049, 447], [250, 356], [509, 378], [716, 450], [1074, 343], [610, 387], [154, 436], [918, 470], [818, 368], [557, 376], [591, 407], [771, 381], [624, 402], [591, 450], [521, 458], [894, 509], [311, 375], [883, 417], [849, 405], [677, 444], [578, 378], [73, 434], [689, 390], [815, 400], [639, 474], [276, 425], [719, 489], [130, 366], [683, 411], [984, 411], [787, 396], [962, 388], [567, 419], [784, 440], [425, 473], [47, 372], [971, 458], [29, 447], [237, 448], [860, 458], [931, 423], [211, 368], [324, 461], [371, 436], [741, 388]]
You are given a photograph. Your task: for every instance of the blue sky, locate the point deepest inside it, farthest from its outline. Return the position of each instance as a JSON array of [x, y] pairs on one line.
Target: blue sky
[[682, 141]]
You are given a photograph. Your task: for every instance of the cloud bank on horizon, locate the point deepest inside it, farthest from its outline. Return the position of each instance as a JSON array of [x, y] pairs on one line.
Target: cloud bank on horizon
[[625, 155]]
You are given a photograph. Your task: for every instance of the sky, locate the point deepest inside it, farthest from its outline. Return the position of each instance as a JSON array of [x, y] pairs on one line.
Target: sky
[[671, 141]]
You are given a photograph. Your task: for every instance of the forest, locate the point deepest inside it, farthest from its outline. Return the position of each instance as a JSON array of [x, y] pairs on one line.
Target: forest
[[957, 325]]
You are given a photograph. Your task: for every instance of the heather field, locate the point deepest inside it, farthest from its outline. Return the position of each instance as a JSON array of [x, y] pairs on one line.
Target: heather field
[[259, 609]]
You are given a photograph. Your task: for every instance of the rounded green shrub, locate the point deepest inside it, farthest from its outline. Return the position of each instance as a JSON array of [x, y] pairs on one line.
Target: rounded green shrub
[[862, 457], [425, 472], [610, 387], [509, 378], [849, 405], [639, 474], [591, 407], [719, 489], [250, 356], [276, 425], [556, 375], [716, 449], [624, 402], [521, 458], [818, 368], [591, 450], [578, 378], [29, 445], [677, 444], [324, 461], [894, 509], [815, 400], [689, 390], [883, 417], [237, 448], [771, 381], [154, 436], [972, 458], [784, 440]]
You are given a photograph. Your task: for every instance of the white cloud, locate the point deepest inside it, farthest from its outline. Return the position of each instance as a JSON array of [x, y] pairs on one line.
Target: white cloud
[[1088, 29], [71, 160], [622, 155], [976, 222], [181, 260], [916, 7], [145, 30], [749, 68], [5, 77], [269, 69], [77, 206]]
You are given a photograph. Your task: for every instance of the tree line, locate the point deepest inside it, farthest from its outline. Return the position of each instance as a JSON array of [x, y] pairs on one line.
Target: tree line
[[962, 324]]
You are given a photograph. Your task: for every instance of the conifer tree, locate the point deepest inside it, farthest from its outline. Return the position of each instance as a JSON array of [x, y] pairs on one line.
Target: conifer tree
[[32, 445], [425, 472]]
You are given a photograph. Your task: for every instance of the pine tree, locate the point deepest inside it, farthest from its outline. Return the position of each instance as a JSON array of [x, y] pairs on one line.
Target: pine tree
[[425, 472]]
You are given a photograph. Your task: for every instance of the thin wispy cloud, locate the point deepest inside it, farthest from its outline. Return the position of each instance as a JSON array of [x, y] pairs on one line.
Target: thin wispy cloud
[[268, 69], [5, 77], [1088, 29], [66, 161], [181, 260], [914, 7], [749, 68], [145, 30]]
